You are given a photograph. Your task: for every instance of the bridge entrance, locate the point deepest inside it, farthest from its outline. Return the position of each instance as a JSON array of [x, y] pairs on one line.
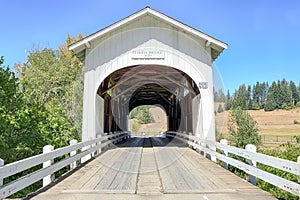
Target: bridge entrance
[[128, 88], [148, 58]]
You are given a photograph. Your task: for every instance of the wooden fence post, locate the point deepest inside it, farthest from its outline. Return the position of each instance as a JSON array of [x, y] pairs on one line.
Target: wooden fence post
[[98, 143], [48, 179], [73, 153], [224, 152], [110, 144], [251, 148], [1, 164], [298, 161], [105, 147]]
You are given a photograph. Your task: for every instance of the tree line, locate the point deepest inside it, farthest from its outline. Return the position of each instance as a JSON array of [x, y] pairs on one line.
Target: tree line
[[279, 95]]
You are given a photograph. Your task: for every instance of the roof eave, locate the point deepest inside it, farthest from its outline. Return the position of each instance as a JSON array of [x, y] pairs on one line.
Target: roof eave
[[80, 45]]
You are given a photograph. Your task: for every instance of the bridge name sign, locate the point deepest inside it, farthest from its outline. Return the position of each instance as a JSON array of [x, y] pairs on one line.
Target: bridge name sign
[[147, 54]]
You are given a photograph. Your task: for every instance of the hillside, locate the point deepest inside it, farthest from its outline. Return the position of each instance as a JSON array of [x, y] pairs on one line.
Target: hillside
[[277, 122], [159, 125]]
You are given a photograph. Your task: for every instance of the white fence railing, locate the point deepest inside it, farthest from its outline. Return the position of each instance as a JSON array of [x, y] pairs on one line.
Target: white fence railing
[[85, 150], [251, 156], [77, 151]]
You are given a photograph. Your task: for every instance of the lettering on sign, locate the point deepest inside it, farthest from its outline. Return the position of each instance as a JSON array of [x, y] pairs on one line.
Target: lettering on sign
[[147, 54], [203, 85]]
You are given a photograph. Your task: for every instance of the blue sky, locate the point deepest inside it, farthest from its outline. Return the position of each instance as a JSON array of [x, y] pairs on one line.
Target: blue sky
[[263, 36]]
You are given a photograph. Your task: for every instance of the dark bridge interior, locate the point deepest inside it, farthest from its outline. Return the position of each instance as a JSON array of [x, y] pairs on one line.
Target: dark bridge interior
[[167, 87]]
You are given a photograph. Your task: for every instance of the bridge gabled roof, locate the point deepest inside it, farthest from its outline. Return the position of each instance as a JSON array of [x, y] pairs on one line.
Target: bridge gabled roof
[[216, 45]]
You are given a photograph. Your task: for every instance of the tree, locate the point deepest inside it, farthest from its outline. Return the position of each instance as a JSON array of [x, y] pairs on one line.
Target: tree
[[265, 88], [243, 128], [19, 136], [219, 96], [249, 98], [142, 114], [241, 98], [271, 103], [259, 92], [39, 106], [295, 93], [53, 81], [228, 103], [285, 94], [256, 93]]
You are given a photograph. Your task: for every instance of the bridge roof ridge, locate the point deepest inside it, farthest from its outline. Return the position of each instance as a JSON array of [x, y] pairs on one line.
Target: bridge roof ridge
[[84, 43]]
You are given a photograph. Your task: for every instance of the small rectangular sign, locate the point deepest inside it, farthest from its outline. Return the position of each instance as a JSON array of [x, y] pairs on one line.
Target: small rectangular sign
[[147, 54], [203, 85]]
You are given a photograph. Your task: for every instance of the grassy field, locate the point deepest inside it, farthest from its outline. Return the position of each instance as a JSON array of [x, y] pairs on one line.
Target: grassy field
[[278, 122]]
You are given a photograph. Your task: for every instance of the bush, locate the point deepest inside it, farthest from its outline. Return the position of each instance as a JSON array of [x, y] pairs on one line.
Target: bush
[[255, 106], [286, 151], [296, 122], [286, 106]]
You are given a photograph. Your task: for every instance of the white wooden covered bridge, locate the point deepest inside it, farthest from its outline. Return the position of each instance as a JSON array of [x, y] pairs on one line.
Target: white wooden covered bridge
[[148, 58]]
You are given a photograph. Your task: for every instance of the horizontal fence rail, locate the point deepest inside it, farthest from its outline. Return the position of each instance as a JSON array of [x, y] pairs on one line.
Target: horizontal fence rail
[[210, 148], [87, 148], [272, 139]]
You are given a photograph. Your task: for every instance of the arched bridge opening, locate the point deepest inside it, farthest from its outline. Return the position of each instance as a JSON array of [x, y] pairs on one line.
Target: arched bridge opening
[[164, 86]]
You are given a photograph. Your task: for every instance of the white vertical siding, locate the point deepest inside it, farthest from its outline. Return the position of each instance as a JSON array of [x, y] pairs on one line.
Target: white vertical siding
[[182, 52]]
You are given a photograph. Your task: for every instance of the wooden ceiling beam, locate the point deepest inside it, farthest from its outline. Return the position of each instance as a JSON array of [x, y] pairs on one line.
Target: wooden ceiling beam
[[126, 90], [180, 84], [164, 98], [120, 82]]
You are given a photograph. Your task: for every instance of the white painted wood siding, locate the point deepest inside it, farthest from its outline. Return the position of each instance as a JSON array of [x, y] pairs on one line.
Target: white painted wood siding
[[181, 51]]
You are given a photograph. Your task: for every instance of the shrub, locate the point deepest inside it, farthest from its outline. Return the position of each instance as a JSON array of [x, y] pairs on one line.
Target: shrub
[[286, 106], [286, 151], [255, 106]]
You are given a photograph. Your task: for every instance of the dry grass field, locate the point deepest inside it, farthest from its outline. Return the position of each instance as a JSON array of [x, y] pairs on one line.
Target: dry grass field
[[159, 125], [277, 126], [277, 123]]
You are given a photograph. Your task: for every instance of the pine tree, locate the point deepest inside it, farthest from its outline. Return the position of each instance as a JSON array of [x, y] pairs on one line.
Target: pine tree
[[265, 88], [271, 103], [241, 98], [249, 97], [295, 93], [219, 96], [256, 94], [285, 95], [228, 103]]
